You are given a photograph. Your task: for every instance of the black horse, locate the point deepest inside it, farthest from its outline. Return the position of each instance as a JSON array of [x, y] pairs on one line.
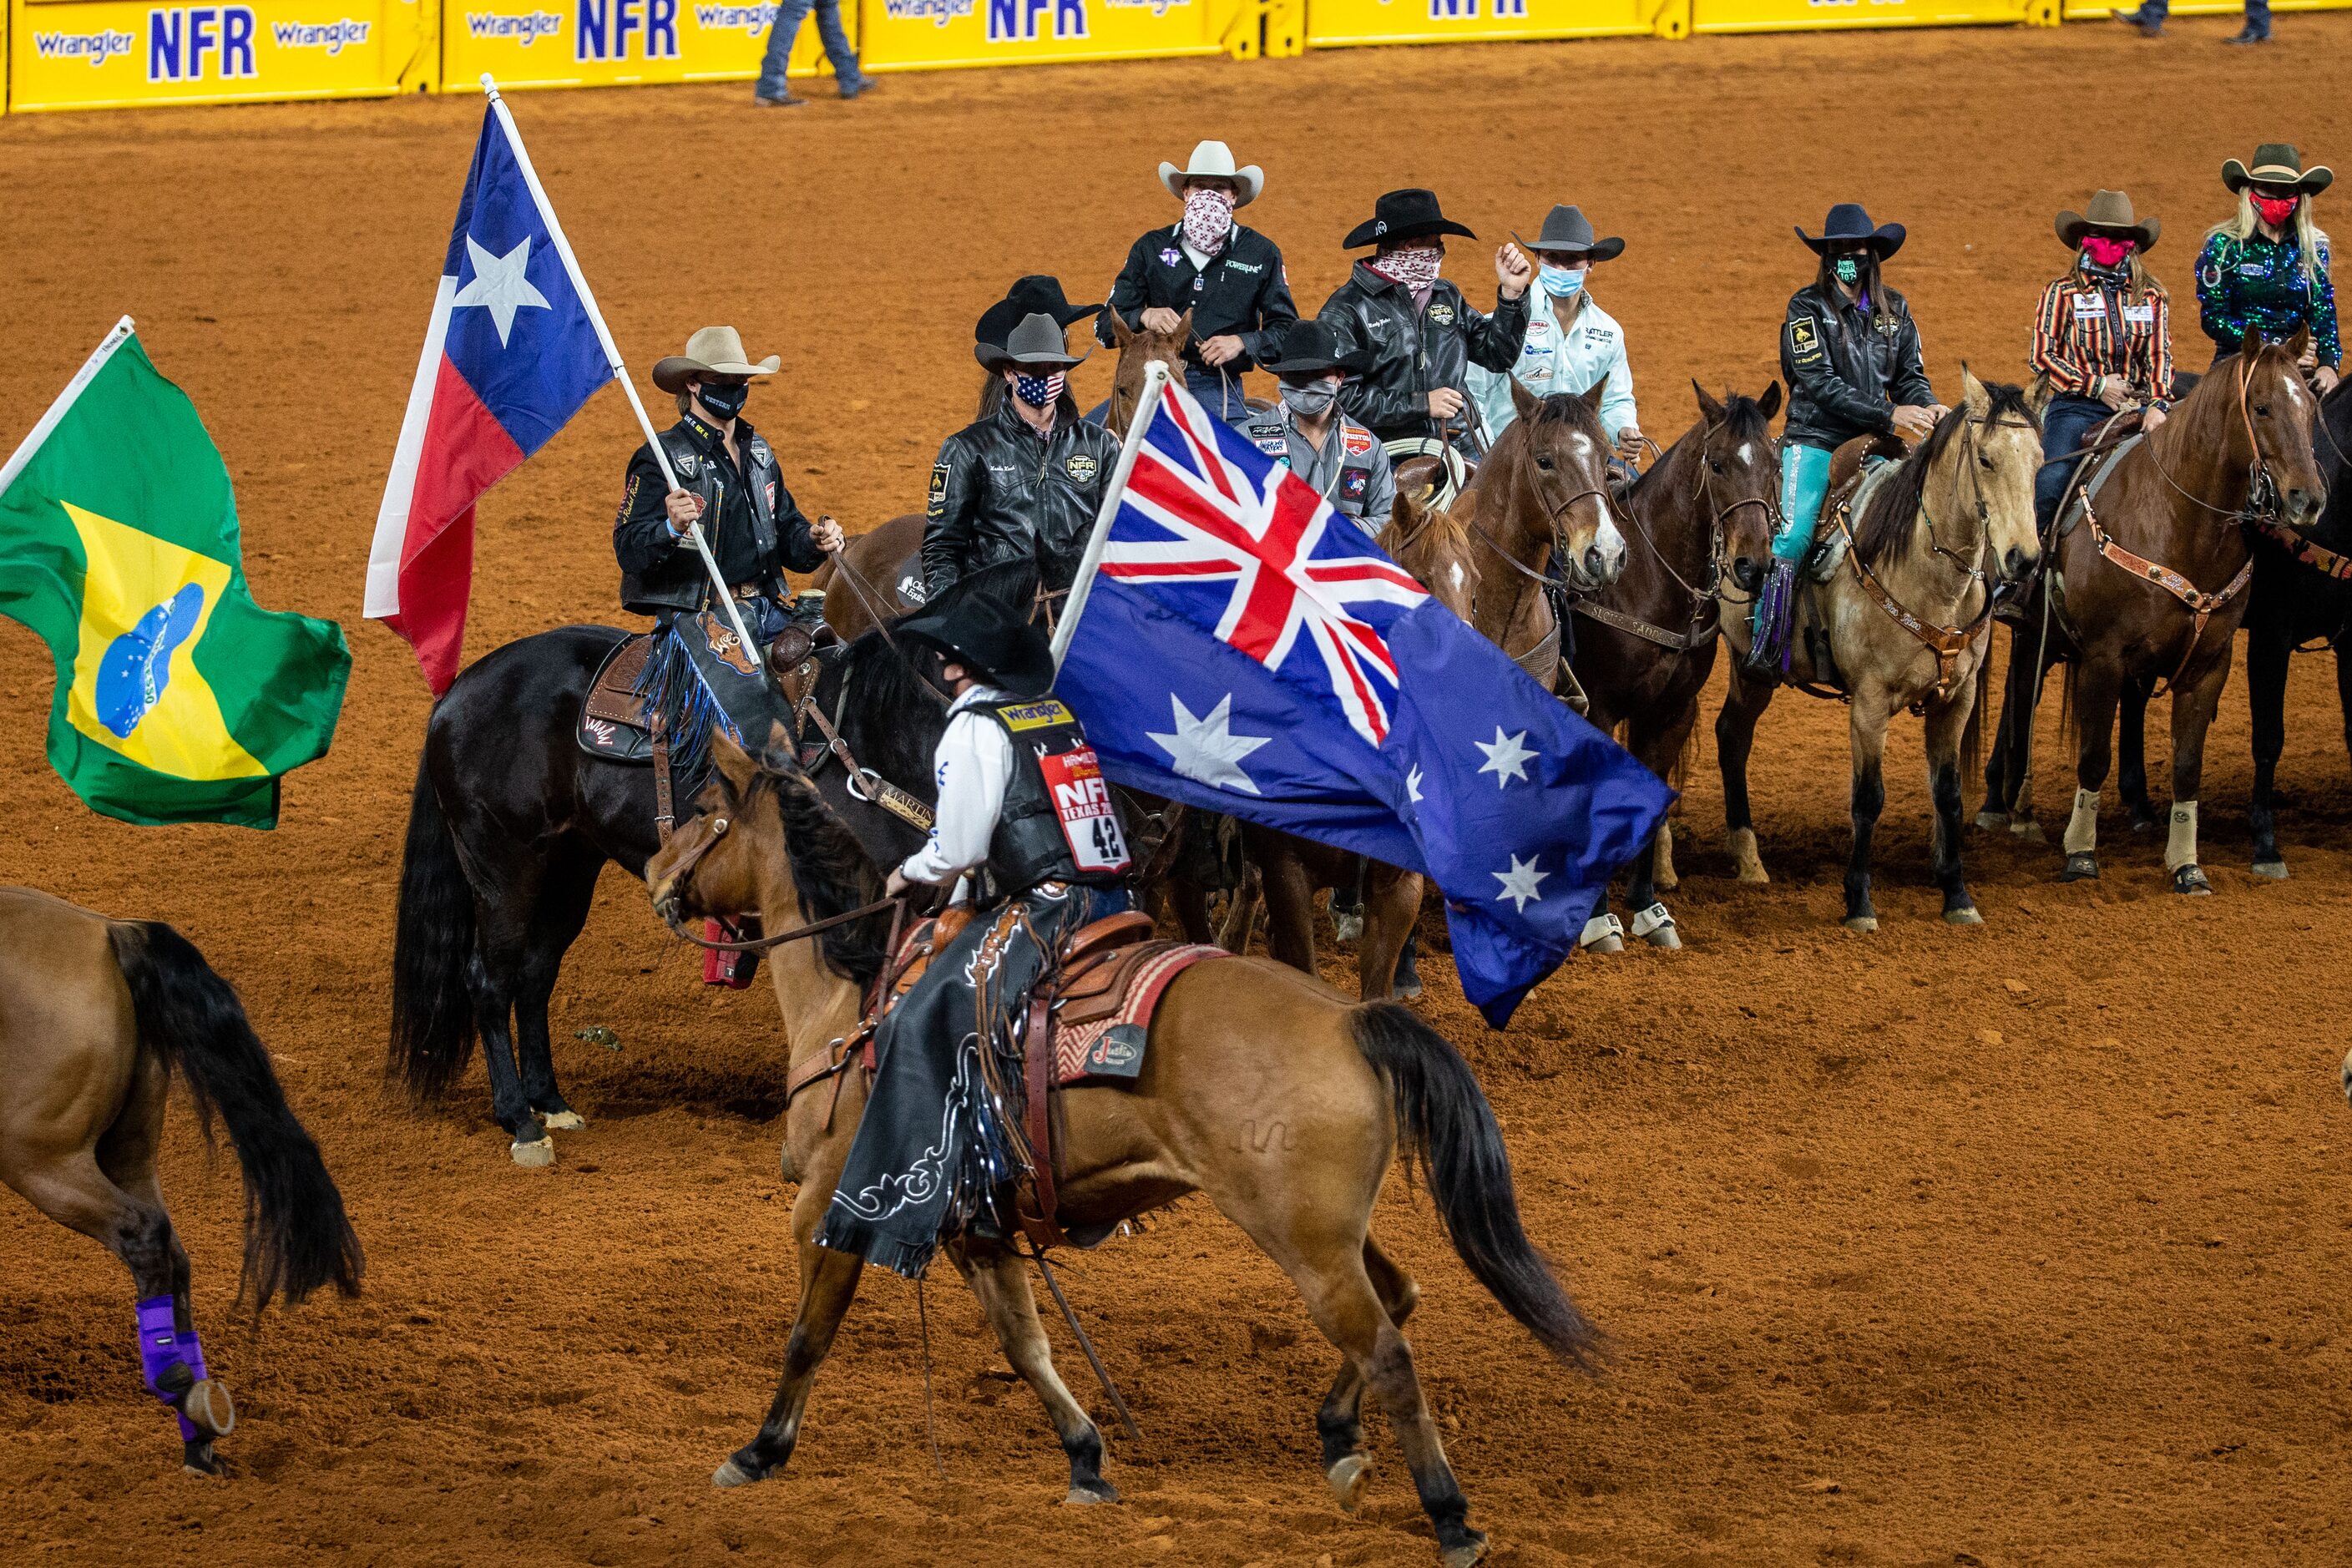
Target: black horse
[[511, 823]]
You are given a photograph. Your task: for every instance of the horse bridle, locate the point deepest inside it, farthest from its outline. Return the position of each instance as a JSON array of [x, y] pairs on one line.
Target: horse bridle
[[682, 877], [2263, 503], [1552, 516]]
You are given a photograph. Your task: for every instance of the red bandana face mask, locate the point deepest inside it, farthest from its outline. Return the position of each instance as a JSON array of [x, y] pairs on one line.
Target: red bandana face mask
[[2106, 251], [2277, 211]]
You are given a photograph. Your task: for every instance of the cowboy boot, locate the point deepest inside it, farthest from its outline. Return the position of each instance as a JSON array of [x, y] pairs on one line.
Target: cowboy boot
[[2148, 27], [1775, 612]]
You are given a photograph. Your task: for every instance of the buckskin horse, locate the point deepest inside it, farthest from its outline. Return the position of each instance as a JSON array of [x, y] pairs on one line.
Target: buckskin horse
[[1234, 1042], [1648, 643], [95, 1017], [2146, 582], [1904, 620]]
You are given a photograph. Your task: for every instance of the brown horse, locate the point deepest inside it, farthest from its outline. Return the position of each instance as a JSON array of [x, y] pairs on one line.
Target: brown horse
[[1647, 644], [1904, 621], [1237, 1043], [95, 1016], [2146, 582]]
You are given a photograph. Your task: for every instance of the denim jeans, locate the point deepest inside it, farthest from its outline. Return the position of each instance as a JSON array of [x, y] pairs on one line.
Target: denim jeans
[[790, 15], [2064, 423], [1220, 395], [2258, 13]]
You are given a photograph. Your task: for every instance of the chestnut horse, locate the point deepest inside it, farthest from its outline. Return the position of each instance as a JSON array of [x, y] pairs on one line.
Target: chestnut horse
[[1647, 643], [1905, 621], [2146, 583], [95, 1017], [1237, 1043]]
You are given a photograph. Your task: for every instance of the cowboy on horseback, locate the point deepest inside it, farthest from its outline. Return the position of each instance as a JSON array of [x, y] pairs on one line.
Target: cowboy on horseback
[[1231, 277], [2262, 275], [1023, 483], [1850, 352], [1419, 335], [1339, 459], [2101, 339], [729, 482], [1028, 838], [1575, 345]]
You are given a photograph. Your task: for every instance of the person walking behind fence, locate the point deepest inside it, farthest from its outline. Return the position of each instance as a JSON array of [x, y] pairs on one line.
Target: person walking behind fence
[[773, 91], [2149, 15]]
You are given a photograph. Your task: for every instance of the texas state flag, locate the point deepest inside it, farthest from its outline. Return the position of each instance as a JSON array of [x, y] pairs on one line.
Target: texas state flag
[[513, 350]]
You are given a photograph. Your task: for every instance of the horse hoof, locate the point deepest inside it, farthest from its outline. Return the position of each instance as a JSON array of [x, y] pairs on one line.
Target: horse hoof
[[730, 1475], [534, 1156], [1083, 1495], [2143, 825], [1349, 1478], [1862, 923], [563, 1121], [2271, 870], [1746, 864], [207, 1404], [1664, 937], [1966, 915], [2028, 831], [1992, 819], [2082, 866], [1465, 1553], [197, 1458], [1612, 942], [2190, 880], [1347, 927]]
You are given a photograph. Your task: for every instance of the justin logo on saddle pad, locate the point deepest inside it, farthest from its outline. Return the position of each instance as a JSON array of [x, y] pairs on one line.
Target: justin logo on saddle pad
[[178, 698]]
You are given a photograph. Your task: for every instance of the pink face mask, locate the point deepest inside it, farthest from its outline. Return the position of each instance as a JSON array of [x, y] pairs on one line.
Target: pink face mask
[[2106, 251], [2277, 211]]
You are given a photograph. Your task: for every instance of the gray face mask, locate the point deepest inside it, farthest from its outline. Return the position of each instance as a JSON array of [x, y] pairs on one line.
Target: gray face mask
[[1313, 400]]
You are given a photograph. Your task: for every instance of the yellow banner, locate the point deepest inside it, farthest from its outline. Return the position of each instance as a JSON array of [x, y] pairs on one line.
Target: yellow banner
[[1791, 15], [934, 35], [1339, 23], [111, 54], [613, 43]]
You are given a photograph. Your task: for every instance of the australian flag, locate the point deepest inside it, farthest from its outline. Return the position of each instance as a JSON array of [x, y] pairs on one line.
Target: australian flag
[[513, 348], [1246, 648]]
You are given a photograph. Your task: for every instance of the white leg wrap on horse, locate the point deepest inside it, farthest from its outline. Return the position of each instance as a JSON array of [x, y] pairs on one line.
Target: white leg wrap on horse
[[1601, 930], [1652, 919], [2181, 845], [2083, 828]]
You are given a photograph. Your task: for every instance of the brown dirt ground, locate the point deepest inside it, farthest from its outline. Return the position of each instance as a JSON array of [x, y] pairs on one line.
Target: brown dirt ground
[[2024, 1245]]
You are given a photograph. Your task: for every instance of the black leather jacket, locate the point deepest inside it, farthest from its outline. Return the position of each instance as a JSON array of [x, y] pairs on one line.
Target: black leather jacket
[[1847, 368], [1245, 291], [1001, 492], [754, 528], [1413, 355]]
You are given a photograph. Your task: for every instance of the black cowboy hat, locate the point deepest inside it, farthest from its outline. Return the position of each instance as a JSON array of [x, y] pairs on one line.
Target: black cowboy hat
[[1310, 347], [1849, 225], [1403, 215], [2110, 211], [1033, 295], [989, 638], [1037, 344], [1566, 228], [2278, 164]]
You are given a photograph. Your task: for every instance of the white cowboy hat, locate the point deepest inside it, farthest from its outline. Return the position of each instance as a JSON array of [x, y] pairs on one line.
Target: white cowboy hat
[[713, 350], [1214, 160]]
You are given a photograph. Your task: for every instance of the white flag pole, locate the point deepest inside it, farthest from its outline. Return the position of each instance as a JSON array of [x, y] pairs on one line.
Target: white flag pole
[[65, 402], [1155, 382], [613, 358]]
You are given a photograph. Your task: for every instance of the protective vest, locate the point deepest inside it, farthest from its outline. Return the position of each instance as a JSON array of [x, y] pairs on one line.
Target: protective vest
[[1058, 822], [682, 583]]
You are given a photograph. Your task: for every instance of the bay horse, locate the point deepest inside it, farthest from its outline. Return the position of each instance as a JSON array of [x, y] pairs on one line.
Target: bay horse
[[1904, 622], [1235, 1042], [2146, 583], [96, 1015], [1648, 641]]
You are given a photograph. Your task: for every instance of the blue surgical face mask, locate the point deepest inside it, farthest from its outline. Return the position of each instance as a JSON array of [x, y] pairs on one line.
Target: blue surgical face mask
[[1560, 283]]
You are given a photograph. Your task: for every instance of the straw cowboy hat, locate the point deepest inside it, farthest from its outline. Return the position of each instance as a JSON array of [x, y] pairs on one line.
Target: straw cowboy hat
[[2110, 211], [2278, 164], [1566, 228], [1402, 215], [1037, 344], [713, 350], [1215, 161], [1849, 225]]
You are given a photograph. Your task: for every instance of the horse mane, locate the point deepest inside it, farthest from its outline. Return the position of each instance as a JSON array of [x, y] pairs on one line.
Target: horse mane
[[1890, 522], [1567, 408], [1440, 542], [832, 875]]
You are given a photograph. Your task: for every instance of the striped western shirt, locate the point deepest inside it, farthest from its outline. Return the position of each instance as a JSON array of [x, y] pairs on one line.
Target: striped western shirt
[[2087, 329]]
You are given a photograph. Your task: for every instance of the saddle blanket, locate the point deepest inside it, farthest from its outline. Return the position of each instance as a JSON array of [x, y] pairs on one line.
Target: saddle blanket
[[1112, 1047]]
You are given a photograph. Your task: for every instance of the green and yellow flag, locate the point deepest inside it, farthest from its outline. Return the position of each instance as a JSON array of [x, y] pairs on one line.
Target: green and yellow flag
[[178, 698]]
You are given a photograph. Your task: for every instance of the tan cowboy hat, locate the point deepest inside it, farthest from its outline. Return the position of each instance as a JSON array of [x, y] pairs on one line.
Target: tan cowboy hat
[[2278, 164], [2110, 211], [1215, 161], [713, 350]]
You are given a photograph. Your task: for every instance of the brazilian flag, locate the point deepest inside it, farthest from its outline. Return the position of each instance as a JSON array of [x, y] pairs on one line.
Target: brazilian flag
[[178, 698]]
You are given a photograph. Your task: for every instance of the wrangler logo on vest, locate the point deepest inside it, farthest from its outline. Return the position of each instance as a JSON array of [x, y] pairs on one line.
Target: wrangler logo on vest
[[1039, 715]]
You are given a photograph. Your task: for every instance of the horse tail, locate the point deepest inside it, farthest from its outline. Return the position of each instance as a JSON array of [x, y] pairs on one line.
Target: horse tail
[[1446, 1128], [296, 1235], [432, 1010]]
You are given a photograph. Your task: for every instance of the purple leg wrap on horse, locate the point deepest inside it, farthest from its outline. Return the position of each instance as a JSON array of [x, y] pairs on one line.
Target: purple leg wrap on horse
[[159, 1343]]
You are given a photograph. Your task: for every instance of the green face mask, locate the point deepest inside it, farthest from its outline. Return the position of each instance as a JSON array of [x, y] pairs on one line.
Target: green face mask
[[1848, 269]]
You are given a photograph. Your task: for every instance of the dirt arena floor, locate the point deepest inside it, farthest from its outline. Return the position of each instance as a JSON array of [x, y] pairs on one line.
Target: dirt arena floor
[[2019, 1245]]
